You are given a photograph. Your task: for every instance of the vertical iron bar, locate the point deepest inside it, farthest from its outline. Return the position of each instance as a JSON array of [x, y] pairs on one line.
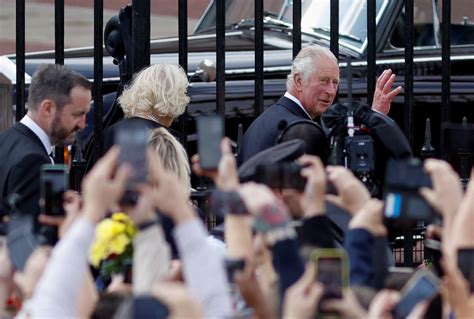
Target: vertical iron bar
[[59, 56], [446, 62], [259, 50], [334, 45], [59, 31], [183, 61], [140, 34], [98, 74], [296, 27], [409, 43], [20, 59], [220, 55], [371, 49], [409, 123]]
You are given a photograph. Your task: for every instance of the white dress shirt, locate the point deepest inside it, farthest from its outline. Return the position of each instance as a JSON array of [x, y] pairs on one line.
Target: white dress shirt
[[28, 122], [294, 99]]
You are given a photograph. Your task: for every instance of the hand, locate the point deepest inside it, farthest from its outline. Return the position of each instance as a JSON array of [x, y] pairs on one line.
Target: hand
[[382, 305], [383, 97], [312, 201], [270, 212], [456, 290], [144, 210], [104, 185], [72, 205], [370, 218], [446, 194], [226, 178], [347, 307], [352, 193], [461, 234], [302, 298], [117, 285], [178, 300], [167, 192]]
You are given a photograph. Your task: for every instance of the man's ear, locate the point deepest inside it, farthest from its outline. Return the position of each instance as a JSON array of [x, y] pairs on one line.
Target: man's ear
[[298, 81], [47, 108]]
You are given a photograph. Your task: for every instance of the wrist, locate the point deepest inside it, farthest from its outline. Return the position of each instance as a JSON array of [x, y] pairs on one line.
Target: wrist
[[183, 214]]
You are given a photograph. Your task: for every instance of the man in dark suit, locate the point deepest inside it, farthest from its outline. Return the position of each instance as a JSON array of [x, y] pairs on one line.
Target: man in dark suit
[[311, 88], [58, 102]]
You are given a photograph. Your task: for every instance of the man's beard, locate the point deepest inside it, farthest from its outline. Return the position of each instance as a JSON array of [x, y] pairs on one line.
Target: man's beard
[[60, 136]]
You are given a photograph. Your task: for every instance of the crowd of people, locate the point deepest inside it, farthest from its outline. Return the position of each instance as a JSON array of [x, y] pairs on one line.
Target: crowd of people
[[315, 251]]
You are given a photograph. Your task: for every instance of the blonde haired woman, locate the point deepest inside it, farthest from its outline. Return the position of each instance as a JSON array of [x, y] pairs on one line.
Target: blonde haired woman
[[172, 155], [154, 99]]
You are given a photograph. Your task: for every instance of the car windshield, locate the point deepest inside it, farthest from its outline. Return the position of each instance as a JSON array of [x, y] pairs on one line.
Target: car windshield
[[315, 17]]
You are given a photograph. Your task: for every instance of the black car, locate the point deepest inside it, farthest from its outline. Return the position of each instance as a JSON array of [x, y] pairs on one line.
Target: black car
[[240, 36]]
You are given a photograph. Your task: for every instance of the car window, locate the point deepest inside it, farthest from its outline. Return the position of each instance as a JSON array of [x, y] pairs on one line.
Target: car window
[[428, 21]]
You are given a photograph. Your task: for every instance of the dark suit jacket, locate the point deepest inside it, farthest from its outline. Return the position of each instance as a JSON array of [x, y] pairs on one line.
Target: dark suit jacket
[[264, 131], [21, 157], [109, 133]]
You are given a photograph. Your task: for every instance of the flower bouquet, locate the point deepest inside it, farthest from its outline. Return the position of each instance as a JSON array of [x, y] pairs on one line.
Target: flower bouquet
[[112, 251]]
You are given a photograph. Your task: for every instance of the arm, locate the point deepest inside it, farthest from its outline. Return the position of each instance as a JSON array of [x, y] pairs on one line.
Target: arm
[[58, 289]]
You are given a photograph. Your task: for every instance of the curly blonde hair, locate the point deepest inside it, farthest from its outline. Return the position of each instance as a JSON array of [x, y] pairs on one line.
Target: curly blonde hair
[[159, 89], [172, 155]]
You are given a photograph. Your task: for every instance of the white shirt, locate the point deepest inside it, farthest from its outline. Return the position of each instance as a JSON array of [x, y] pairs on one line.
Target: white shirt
[[28, 122], [294, 99]]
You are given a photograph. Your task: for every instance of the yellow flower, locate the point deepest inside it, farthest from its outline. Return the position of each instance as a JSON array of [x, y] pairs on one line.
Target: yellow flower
[[118, 244], [97, 253], [121, 217], [108, 228]]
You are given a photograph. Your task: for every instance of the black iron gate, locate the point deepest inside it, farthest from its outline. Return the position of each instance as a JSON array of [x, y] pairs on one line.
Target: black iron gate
[[140, 58]]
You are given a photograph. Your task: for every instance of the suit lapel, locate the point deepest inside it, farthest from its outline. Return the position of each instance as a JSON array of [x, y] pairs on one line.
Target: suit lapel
[[292, 107]]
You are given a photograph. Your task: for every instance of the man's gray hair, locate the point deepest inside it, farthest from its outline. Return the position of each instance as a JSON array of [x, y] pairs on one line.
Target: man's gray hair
[[305, 63]]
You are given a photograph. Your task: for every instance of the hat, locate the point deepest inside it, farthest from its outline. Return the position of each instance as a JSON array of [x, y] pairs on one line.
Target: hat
[[284, 152]]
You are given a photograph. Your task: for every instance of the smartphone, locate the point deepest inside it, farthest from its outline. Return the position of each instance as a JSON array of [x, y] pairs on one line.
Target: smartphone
[[466, 265], [54, 182], [332, 270], [403, 202], [423, 285], [210, 131], [133, 140]]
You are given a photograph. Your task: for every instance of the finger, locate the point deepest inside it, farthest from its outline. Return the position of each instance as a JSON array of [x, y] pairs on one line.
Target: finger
[[51, 220], [390, 96], [334, 199], [225, 146], [430, 196], [388, 84], [121, 176], [383, 78]]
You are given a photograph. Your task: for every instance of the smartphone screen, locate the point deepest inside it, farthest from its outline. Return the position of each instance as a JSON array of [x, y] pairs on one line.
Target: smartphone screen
[[54, 182], [330, 273], [210, 130], [422, 287], [132, 139]]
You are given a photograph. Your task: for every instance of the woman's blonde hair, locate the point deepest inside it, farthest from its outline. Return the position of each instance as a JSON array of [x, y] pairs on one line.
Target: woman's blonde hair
[[159, 89], [172, 155]]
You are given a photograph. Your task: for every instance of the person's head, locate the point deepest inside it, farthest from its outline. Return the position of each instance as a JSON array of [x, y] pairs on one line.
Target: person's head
[[314, 79], [58, 102], [159, 90], [172, 155]]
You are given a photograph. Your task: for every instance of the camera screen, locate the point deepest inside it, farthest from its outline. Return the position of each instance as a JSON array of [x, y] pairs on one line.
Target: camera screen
[[210, 131], [54, 185], [330, 275], [133, 142], [423, 289]]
